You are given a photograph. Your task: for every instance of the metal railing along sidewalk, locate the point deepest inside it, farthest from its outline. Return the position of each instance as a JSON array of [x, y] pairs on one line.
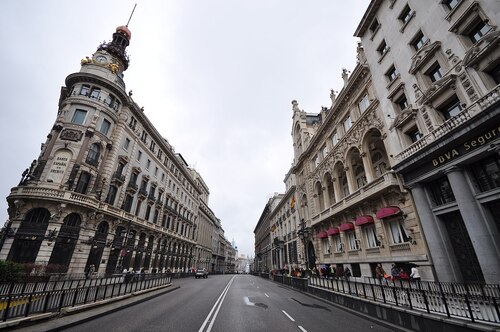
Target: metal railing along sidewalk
[[474, 302], [25, 299]]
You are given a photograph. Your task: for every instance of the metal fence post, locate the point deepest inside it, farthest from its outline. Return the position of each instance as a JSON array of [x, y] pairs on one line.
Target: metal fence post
[[444, 300], [6, 312], [468, 303]]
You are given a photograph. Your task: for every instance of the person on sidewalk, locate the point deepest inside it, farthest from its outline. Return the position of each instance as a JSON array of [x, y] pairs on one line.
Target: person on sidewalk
[[347, 273], [379, 272], [414, 275], [394, 272]]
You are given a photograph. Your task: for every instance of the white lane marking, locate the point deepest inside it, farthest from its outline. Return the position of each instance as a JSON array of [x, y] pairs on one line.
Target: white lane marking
[[290, 317], [217, 303], [218, 308], [302, 329], [247, 301], [266, 295]]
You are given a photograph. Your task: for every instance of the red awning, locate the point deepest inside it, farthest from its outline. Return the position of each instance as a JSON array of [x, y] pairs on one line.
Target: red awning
[[333, 231], [387, 212], [322, 235], [346, 227], [364, 220]]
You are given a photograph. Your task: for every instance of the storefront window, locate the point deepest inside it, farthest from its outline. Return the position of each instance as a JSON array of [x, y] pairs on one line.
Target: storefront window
[[441, 192], [487, 173]]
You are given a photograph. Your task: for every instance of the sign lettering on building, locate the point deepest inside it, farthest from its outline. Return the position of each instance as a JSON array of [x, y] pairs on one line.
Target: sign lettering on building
[[59, 166], [466, 147]]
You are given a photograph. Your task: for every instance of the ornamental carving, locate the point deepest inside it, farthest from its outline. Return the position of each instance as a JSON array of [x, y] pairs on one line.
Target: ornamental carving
[[423, 55], [71, 135], [486, 44]]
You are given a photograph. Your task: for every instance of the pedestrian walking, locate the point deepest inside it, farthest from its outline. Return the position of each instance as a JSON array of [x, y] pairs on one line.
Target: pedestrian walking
[[347, 273], [394, 272], [414, 275], [380, 273]]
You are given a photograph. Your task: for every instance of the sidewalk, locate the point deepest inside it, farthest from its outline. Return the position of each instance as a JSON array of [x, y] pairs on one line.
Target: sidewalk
[[76, 315]]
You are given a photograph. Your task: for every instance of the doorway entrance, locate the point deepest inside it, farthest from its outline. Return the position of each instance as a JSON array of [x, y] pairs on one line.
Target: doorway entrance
[[462, 247]]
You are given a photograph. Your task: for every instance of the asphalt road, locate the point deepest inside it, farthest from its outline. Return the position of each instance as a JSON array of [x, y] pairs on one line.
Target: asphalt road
[[230, 303]]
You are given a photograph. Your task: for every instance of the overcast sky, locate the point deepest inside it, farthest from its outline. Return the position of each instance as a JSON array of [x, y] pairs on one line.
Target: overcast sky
[[215, 77]]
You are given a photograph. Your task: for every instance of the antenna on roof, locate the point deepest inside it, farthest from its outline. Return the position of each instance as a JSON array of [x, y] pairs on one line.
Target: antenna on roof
[[131, 15]]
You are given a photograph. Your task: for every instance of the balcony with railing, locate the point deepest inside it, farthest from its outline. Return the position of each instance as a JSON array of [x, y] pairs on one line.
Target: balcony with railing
[[118, 178], [132, 187], [481, 104]]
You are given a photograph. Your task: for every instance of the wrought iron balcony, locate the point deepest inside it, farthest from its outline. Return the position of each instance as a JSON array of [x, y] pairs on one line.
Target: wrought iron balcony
[[143, 192], [118, 178]]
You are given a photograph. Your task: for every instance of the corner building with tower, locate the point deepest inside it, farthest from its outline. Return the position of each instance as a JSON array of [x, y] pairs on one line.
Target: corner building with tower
[[107, 189]]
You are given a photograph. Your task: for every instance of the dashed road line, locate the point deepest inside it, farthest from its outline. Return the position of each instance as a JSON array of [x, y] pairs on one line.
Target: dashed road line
[[302, 329], [289, 317], [266, 295]]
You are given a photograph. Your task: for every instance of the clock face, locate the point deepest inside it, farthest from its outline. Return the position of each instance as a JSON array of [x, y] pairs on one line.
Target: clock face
[[100, 59]]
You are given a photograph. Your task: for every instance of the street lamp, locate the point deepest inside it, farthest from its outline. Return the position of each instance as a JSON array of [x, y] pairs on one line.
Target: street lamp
[[304, 233]]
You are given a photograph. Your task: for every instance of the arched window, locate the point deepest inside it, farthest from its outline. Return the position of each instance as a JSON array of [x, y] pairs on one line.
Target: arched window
[[359, 173], [29, 237], [66, 242], [379, 164], [93, 155], [320, 198]]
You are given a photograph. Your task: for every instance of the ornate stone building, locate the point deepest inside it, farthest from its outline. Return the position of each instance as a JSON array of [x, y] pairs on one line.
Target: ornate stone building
[[107, 189], [287, 249], [350, 197], [436, 69]]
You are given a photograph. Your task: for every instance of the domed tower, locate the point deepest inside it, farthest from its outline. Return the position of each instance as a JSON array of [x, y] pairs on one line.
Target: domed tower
[[79, 168]]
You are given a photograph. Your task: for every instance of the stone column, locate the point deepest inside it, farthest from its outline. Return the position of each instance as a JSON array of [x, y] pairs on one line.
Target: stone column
[[482, 241], [367, 165], [350, 179], [337, 190], [431, 229]]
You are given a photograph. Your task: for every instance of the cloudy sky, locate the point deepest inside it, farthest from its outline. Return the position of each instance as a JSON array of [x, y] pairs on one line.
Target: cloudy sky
[[215, 77]]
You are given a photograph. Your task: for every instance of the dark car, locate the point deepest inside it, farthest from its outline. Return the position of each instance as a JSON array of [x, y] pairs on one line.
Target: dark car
[[201, 273]]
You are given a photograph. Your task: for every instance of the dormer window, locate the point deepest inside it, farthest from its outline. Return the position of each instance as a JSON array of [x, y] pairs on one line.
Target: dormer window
[[84, 91], [95, 93]]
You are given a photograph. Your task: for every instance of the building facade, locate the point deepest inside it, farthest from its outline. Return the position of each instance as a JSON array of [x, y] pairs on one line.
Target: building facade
[[350, 197], [287, 249], [107, 189], [436, 70]]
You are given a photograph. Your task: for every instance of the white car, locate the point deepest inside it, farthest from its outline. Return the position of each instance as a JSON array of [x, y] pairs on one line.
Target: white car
[[201, 273]]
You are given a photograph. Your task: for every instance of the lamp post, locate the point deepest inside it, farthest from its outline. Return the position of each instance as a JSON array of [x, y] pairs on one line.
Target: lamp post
[[304, 233]]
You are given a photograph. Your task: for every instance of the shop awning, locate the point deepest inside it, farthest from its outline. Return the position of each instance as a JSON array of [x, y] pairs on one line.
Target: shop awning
[[387, 211], [333, 231], [322, 235], [364, 220], [346, 227]]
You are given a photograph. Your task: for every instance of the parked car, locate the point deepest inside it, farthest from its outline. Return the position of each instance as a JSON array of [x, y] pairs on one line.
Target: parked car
[[201, 273]]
